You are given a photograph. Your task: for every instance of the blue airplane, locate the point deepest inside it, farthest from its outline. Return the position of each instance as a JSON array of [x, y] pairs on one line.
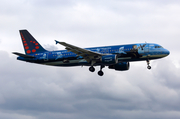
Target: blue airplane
[[115, 57]]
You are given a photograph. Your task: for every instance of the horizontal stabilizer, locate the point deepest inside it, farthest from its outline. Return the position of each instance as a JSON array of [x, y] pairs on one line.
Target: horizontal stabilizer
[[23, 55]]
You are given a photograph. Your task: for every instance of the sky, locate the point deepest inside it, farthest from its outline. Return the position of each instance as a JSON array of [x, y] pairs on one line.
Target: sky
[[35, 91]]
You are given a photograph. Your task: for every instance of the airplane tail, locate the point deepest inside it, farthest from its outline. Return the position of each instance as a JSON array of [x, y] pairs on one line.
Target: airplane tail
[[30, 44]]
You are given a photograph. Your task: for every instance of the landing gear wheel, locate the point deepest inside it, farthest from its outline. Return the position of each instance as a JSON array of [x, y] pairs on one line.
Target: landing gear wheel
[[100, 73], [149, 67], [91, 69], [148, 62]]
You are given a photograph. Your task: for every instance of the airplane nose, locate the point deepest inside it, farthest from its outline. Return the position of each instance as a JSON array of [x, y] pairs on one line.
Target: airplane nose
[[167, 52]]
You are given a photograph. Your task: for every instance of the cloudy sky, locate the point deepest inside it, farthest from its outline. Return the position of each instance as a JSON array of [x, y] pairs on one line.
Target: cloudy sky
[[31, 91]]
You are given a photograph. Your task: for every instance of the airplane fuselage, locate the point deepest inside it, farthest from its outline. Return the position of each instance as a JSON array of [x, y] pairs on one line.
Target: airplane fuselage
[[126, 53]]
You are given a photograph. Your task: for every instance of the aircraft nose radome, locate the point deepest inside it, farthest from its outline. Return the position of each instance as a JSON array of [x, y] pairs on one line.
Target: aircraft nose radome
[[167, 52]]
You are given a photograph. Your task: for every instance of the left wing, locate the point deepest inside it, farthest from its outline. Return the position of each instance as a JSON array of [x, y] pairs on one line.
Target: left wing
[[86, 54]]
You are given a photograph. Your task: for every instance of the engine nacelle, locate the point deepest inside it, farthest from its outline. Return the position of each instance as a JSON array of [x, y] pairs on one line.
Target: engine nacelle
[[123, 66], [109, 59]]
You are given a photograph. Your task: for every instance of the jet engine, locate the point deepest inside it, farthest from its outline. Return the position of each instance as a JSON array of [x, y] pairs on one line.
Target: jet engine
[[109, 59], [123, 66]]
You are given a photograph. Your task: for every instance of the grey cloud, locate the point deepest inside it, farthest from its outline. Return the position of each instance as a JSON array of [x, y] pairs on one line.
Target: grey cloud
[[50, 47], [168, 74]]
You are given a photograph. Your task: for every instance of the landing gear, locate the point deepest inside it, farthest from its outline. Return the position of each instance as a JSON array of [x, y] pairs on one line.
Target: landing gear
[[149, 67], [91, 69], [101, 73]]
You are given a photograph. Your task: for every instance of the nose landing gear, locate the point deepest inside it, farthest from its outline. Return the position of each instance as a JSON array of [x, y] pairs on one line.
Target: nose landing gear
[[148, 62], [149, 67]]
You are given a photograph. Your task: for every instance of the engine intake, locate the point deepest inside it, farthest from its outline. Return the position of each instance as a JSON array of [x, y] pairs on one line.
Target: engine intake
[[109, 59], [123, 66]]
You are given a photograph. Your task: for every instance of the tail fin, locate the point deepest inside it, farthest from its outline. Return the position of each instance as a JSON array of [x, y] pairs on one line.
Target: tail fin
[[30, 44]]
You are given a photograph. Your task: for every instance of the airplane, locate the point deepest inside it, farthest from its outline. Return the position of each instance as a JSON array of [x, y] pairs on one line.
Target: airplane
[[115, 57]]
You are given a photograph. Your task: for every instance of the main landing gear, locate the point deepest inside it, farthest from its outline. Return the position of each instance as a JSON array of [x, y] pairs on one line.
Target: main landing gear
[[100, 73], [91, 69], [148, 62]]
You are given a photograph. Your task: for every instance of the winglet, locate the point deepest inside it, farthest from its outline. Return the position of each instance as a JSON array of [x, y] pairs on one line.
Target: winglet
[[56, 41]]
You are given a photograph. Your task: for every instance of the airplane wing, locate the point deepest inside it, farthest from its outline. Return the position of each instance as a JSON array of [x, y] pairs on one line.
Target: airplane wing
[[86, 54]]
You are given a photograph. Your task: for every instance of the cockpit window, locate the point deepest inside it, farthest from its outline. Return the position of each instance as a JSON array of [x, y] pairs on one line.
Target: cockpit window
[[158, 47]]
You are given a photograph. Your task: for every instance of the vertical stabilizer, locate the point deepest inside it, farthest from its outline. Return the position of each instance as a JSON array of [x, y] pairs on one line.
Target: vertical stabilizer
[[30, 44]]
